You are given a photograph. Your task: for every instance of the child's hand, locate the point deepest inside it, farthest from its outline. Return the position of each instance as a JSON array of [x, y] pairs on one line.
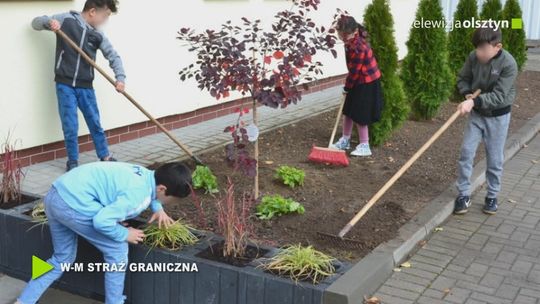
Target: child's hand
[[120, 86], [135, 236], [466, 106], [162, 218], [54, 25]]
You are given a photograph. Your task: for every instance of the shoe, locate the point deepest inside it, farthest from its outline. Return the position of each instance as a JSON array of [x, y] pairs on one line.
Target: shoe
[[362, 150], [342, 144], [490, 206], [111, 159], [462, 204], [71, 164]]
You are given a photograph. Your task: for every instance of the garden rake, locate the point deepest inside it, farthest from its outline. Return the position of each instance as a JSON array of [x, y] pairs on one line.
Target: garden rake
[[328, 155], [131, 99], [339, 239]]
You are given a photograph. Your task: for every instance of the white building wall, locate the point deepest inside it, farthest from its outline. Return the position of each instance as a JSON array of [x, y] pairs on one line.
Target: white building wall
[[144, 33]]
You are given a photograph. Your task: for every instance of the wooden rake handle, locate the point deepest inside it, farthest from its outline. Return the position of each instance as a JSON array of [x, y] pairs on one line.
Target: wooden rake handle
[[400, 172], [131, 99], [336, 124]]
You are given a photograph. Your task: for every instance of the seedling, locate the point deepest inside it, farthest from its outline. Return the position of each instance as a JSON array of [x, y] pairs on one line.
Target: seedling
[[290, 176], [173, 237], [203, 178], [277, 205], [301, 264]]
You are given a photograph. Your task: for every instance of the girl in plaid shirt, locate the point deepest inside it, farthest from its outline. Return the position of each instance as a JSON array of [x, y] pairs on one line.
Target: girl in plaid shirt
[[364, 98]]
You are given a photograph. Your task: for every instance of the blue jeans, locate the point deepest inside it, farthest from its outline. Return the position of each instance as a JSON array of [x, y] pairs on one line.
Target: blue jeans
[[65, 224], [69, 99]]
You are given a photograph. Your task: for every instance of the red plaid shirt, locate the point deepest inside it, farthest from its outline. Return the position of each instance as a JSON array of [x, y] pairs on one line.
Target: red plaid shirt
[[361, 63]]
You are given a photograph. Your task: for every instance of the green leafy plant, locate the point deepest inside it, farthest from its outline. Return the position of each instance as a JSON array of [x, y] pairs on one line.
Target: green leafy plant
[[460, 41], [380, 26], [290, 176], [491, 9], [277, 205], [203, 178], [301, 263], [173, 237], [514, 39], [425, 70]]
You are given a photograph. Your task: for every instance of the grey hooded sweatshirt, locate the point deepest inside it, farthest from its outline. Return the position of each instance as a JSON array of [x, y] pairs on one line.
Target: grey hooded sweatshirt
[[70, 68]]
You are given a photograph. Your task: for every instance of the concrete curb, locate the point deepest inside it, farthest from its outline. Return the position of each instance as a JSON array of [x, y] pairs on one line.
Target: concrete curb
[[370, 272]]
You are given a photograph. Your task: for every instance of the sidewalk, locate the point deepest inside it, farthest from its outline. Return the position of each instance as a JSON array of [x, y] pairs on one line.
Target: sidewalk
[[478, 258], [199, 137]]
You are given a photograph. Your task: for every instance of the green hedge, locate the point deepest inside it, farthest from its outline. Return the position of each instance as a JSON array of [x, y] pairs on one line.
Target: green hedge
[[380, 25], [425, 73]]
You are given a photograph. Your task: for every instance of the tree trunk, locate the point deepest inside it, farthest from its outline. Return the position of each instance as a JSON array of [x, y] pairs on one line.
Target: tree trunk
[[256, 154]]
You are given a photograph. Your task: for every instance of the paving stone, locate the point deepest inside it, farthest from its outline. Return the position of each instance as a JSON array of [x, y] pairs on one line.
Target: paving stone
[[484, 259]]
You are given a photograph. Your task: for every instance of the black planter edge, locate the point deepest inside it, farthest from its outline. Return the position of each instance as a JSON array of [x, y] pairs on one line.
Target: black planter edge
[[187, 254], [370, 272]]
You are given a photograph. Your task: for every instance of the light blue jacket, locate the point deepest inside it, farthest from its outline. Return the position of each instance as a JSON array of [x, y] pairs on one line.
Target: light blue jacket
[[109, 193]]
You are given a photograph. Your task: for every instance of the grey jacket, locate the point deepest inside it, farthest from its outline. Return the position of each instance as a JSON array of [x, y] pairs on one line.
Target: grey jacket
[[496, 79], [70, 68]]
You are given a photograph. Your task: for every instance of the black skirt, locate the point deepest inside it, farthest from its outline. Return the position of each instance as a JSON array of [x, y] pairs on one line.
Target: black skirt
[[364, 103]]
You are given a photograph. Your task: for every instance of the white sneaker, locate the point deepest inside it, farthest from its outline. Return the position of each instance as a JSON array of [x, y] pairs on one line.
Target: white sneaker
[[362, 150], [342, 144]]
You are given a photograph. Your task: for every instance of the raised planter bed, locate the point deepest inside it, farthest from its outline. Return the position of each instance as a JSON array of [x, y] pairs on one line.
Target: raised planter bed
[[215, 282]]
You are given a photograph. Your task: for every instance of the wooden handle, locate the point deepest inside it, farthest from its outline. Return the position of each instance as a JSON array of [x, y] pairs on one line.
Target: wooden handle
[[337, 121], [400, 172], [131, 99]]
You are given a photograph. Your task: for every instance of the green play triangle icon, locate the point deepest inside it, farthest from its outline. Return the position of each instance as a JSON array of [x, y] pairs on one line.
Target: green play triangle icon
[[40, 267]]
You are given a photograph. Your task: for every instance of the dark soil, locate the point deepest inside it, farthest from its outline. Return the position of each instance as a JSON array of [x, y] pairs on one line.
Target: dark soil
[[12, 204], [215, 252], [332, 195]]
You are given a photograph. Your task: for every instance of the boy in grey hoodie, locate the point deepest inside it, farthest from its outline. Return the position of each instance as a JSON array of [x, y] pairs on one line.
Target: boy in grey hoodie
[[493, 70], [74, 76]]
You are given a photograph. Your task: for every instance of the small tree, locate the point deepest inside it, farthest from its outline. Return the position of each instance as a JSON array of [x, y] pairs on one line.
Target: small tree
[[514, 39], [10, 188], [425, 70], [459, 40], [491, 9], [380, 25], [265, 64]]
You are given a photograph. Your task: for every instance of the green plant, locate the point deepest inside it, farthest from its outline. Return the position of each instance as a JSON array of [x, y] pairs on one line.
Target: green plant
[[379, 23], [514, 39], [10, 187], [290, 176], [425, 70], [460, 41], [173, 237], [491, 9], [277, 205], [203, 178], [38, 215], [301, 263]]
